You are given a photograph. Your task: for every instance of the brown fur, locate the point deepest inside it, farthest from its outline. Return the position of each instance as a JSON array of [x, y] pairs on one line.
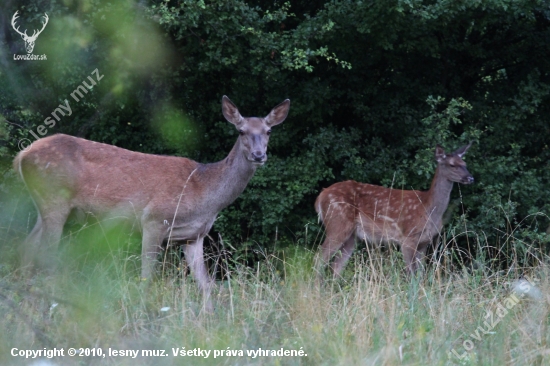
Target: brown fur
[[377, 214], [169, 197]]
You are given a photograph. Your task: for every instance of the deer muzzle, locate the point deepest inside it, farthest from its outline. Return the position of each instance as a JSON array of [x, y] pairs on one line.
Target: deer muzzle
[[258, 157]]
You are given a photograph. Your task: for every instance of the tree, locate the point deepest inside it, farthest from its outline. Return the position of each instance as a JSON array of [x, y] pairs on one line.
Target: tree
[[374, 85]]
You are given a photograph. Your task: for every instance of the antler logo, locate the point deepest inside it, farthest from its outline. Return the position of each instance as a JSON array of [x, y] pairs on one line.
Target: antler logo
[[29, 40]]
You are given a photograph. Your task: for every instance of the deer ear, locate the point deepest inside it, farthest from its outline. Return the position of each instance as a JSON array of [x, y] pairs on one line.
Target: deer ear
[[461, 151], [278, 114], [439, 154], [231, 112]]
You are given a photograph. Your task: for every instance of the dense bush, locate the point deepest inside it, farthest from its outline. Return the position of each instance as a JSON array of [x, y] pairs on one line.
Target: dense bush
[[374, 85]]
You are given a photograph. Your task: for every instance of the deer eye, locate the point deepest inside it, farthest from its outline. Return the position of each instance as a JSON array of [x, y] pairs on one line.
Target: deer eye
[[241, 132], [268, 132]]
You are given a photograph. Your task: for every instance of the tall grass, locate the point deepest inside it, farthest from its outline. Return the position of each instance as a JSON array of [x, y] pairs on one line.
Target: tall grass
[[373, 315]]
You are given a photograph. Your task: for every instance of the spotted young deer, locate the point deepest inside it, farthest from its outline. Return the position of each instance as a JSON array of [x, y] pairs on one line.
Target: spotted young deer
[[377, 214], [170, 197]]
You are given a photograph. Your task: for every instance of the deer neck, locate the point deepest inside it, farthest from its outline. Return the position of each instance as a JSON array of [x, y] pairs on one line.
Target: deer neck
[[227, 179], [439, 195]]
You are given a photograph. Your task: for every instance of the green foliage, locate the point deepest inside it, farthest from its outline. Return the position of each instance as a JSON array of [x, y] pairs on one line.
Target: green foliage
[[374, 87]]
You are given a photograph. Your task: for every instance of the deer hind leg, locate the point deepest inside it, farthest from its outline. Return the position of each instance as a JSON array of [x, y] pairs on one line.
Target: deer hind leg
[[342, 258], [339, 236], [40, 247], [29, 247], [194, 256]]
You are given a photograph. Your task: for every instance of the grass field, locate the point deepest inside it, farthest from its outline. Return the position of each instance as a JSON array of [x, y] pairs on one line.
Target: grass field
[[372, 316]]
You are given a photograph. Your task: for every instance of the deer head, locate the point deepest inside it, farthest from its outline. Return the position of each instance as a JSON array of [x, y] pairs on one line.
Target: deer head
[[29, 40], [254, 132], [452, 166]]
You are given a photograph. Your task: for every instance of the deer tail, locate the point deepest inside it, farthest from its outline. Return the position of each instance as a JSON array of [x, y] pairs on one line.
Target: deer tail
[[319, 208], [17, 164]]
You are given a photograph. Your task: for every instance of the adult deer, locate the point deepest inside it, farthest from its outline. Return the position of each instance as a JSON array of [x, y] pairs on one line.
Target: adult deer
[[377, 214], [171, 197]]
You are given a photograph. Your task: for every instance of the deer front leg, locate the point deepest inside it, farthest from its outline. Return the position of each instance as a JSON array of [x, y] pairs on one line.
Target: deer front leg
[[195, 259], [413, 254], [421, 253], [150, 249]]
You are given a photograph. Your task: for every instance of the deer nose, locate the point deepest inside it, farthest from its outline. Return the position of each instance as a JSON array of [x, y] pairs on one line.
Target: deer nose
[[258, 156], [469, 179]]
